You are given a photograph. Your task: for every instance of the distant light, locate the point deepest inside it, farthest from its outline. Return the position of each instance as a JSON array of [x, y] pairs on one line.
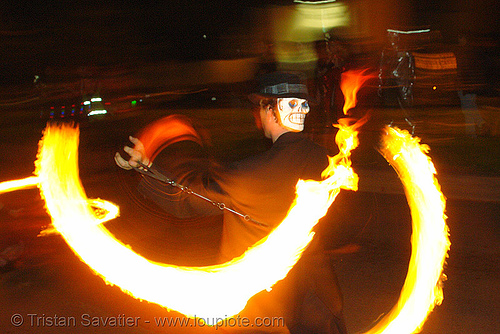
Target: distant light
[[86, 103], [214, 98], [134, 103], [95, 99], [97, 112], [314, 2], [320, 16], [434, 88], [408, 31], [205, 36]]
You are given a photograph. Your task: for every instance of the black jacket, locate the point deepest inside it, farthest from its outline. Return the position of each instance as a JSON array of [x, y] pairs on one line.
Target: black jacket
[[262, 187]]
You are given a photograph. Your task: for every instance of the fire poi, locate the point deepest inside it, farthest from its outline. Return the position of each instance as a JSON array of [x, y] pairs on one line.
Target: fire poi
[[217, 291]]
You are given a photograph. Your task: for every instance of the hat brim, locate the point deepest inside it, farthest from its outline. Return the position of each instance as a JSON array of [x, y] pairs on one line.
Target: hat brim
[[256, 97]]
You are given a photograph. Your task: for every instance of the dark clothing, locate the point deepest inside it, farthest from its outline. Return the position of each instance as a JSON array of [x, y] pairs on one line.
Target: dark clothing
[[262, 187]]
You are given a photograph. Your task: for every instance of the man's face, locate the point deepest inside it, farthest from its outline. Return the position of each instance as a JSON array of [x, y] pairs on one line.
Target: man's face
[[263, 122], [292, 113]]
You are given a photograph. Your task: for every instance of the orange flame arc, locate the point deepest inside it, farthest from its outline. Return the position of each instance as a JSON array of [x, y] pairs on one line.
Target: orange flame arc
[[422, 289], [223, 290], [211, 291]]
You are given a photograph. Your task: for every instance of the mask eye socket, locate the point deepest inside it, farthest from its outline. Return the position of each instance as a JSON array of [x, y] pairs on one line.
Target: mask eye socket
[[305, 105], [293, 103]]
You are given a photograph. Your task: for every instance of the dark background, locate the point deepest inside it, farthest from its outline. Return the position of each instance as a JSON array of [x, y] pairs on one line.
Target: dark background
[[37, 34]]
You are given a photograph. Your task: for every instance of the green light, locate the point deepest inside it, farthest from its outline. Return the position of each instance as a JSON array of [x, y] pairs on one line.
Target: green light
[[134, 103]]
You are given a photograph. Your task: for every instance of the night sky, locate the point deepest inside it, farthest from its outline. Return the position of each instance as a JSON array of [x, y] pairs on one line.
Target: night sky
[[37, 34]]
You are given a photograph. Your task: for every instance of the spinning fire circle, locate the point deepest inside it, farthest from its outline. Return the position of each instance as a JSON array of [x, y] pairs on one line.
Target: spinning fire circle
[[212, 291]]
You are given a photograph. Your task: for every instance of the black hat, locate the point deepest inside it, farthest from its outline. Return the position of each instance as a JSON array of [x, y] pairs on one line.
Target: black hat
[[280, 84]]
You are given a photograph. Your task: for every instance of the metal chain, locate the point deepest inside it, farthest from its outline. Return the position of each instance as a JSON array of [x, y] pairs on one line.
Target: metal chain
[[146, 170]]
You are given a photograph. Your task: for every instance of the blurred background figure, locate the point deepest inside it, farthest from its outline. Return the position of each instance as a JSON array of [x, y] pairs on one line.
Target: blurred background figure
[[471, 80], [332, 57]]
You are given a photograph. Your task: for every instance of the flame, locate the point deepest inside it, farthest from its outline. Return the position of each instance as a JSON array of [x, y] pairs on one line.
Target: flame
[[103, 210], [12, 185], [211, 291], [167, 131], [351, 82], [422, 289]]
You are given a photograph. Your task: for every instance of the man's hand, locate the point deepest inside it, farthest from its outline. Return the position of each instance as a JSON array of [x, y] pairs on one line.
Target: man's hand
[[137, 154]]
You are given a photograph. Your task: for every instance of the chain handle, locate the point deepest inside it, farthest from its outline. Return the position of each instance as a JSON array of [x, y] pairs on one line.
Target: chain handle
[[146, 170]]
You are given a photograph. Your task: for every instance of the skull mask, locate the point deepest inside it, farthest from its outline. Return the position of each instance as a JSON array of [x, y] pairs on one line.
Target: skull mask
[[292, 113]]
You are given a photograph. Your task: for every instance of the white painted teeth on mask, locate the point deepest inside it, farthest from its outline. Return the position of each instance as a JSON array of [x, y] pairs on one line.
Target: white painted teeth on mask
[[297, 118]]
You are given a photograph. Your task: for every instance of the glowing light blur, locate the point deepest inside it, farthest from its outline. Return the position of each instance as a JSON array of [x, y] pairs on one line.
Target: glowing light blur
[[322, 15], [166, 131], [408, 32], [97, 112]]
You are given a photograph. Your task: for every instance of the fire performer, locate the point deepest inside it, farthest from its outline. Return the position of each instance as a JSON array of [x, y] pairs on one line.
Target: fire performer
[[259, 191]]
